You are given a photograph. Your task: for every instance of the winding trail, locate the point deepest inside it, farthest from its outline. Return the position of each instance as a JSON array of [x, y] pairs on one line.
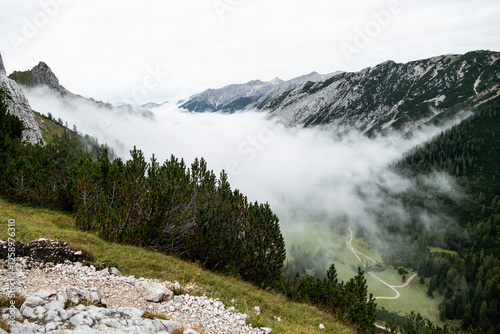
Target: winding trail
[[356, 253]]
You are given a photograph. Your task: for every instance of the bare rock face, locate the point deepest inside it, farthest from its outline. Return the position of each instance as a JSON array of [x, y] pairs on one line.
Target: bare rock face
[[251, 95], [18, 105], [2, 68], [40, 75]]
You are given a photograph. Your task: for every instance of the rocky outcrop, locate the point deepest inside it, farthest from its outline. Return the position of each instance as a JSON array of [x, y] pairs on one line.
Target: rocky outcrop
[[40, 75], [2, 68], [44, 250], [18, 105]]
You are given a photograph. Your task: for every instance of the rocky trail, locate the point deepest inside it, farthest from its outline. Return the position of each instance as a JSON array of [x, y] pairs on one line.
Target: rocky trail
[[63, 295]]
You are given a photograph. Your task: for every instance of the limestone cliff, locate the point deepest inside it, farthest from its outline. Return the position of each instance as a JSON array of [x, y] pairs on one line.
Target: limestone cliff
[[18, 105]]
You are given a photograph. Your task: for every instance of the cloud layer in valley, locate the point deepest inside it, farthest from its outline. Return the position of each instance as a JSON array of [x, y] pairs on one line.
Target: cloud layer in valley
[[306, 174]]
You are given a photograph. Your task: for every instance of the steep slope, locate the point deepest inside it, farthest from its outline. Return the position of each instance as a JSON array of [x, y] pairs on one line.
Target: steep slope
[[18, 105], [33, 223], [42, 76], [469, 152], [253, 94], [400, 96]]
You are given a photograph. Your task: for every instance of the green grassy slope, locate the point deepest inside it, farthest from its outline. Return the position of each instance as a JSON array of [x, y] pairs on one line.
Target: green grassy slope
[[33, 223]]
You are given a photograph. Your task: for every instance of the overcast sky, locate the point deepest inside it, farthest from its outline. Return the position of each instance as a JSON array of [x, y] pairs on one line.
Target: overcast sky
[[152, 50]]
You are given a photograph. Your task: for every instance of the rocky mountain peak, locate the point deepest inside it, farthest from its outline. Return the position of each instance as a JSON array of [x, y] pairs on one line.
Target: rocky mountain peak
[[40, 75]]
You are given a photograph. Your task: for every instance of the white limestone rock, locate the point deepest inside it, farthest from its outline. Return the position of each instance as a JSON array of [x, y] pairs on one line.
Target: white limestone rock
[[18, 105], [154, 292]]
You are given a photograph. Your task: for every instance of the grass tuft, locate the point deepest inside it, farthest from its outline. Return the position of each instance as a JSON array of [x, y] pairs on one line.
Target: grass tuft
[[4, 324], [149, 315], [18, 299]]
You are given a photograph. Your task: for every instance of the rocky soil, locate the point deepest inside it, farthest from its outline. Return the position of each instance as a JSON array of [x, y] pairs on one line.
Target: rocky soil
[[65, 295]]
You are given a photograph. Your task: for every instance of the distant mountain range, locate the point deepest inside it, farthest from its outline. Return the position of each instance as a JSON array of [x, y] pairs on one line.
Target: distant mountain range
[[152, 105], [251, 95], [387, 96]]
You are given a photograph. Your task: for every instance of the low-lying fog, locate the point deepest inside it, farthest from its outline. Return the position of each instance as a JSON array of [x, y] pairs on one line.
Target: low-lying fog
[[305, 174]]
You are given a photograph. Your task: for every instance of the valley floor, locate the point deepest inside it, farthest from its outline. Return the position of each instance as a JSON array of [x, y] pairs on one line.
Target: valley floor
[[348, 252]]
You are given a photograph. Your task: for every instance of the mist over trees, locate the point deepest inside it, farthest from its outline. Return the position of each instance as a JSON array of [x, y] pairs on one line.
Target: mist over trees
[[453, 204], [470, 280], [188, 211], [173, 208]]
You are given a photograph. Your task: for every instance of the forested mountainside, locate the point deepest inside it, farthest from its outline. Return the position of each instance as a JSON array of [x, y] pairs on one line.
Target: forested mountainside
[[470, 280], [444, 227], [399, 96]]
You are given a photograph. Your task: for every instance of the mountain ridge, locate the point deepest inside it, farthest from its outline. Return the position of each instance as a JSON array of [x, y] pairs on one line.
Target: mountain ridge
[[42, 76], [388, 96], [400, 96], [253, 94]]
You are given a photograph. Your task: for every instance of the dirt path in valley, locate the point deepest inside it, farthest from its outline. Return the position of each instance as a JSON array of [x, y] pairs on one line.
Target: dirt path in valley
[[358, 253]]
